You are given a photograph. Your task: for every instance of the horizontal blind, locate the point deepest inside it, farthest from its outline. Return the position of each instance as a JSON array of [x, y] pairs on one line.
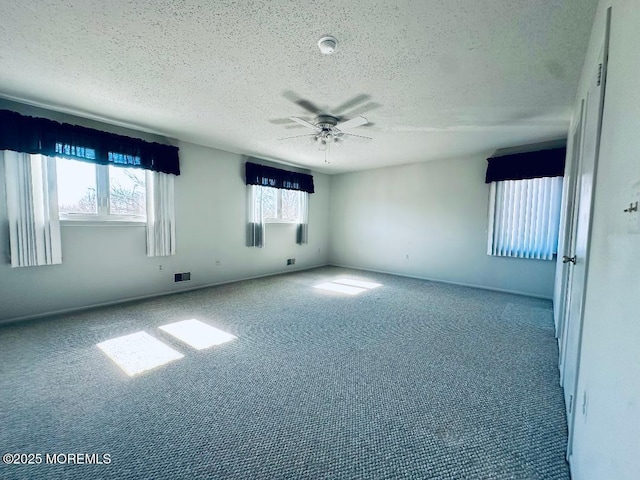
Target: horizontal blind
[[524, 218]]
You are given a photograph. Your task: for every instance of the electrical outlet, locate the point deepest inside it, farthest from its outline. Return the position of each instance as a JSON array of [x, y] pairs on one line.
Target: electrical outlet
[[291, 261], [159, 267], [217, 262]]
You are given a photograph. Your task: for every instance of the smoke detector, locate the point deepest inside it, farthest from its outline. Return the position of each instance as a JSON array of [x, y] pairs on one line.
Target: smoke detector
[[327, 45]]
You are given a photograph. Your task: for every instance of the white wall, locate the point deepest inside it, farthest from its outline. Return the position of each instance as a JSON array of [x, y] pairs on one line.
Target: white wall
[[607, 437], [436, 214], [106, 264]]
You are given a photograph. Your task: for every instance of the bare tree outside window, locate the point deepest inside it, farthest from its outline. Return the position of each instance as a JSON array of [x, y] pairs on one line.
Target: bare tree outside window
[[127, 191], [280, 206], [290, 205], [270, 203], [98, 192]]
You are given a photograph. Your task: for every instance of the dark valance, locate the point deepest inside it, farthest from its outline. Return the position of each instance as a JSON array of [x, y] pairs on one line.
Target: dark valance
[[47, 137], [543, 163], [276, 178]]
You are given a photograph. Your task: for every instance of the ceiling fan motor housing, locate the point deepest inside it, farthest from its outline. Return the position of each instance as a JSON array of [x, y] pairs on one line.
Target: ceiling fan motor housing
[[326, 121]]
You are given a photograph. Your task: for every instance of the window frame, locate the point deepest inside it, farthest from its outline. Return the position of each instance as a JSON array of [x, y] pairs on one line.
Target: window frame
[[278, 218], [103, 216]]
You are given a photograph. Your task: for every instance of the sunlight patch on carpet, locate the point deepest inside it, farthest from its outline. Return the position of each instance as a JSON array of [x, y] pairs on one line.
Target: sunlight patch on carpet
[[336, 287], [138, 352], [357, 283], [350, 286], [197, 334]]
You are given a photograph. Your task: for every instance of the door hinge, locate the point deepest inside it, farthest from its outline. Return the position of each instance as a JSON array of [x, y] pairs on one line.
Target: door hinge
[[570, 403]]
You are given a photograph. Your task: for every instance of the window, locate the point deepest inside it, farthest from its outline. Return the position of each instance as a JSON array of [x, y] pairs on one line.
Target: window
[[93, 192], [524, 217], [281, 206]]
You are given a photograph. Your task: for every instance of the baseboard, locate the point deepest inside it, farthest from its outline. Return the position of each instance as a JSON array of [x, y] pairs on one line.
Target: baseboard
[[152, 295], [482, 287]]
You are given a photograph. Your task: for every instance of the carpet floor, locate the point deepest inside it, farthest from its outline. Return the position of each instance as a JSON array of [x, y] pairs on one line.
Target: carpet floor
[[412, 379]]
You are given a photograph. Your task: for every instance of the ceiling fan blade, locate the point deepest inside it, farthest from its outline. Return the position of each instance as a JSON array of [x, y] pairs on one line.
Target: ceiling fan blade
[[362, 109], [298, 136], [349, 124], [305, 123], [309, 106], [306, 104], [358, 99], [357, 136], [280, 121]]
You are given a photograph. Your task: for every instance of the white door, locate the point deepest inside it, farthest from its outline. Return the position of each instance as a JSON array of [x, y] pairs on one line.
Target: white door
[[577, 259], [569, 244]]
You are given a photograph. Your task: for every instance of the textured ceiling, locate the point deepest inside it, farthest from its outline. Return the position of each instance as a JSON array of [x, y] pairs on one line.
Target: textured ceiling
[[437, 79]]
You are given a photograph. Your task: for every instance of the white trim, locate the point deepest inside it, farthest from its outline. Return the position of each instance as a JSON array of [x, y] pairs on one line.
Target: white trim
[[242, 279], [472, 285], [276, 221], [153, 295], [102, 222]]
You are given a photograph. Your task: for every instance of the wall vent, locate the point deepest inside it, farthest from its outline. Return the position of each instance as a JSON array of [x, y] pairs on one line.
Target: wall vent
[[182, 277], [599, 74]]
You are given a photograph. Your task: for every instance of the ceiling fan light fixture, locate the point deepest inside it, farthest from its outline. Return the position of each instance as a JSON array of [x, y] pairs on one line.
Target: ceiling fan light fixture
[[327, 45]]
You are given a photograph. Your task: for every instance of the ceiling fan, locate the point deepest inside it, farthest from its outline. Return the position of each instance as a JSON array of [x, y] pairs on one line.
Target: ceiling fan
[[327, 131]]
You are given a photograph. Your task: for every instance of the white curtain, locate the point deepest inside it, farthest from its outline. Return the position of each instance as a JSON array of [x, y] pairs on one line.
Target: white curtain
[[161, 218], [302, 231], [524, 217], [255, 216], [32, 209]]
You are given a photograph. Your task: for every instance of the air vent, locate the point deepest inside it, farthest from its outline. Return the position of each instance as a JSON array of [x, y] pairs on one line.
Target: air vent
[[599, 74], [182, 277]]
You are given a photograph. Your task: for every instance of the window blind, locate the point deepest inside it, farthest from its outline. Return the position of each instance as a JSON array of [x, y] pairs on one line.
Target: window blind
[[524, 217]]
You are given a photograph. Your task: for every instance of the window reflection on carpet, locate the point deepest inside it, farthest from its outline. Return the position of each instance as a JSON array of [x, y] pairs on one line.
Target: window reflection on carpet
[[138, 352], [197, 334], [347, 285]]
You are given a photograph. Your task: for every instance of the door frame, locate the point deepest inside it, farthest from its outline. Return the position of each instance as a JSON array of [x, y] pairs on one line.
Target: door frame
[[571, 414]]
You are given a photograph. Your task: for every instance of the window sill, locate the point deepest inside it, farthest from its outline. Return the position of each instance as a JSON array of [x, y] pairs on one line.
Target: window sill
[[279, 222], [87, 222]]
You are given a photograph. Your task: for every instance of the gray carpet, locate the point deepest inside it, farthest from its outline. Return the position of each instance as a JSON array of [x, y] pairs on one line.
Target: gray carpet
[[413, 379]]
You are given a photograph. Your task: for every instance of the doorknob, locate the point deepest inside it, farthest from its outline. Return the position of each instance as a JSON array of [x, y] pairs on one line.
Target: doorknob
[[566, 259]]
